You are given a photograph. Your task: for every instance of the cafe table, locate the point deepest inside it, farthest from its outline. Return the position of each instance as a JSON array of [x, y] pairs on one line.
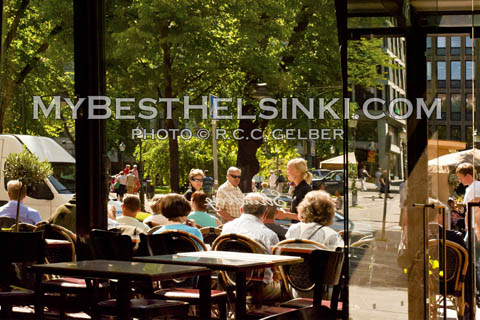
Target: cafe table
[[237, 262], [124, 272]]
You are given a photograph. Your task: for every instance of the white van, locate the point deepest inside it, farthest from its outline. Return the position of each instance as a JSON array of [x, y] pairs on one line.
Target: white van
[[56, 189]]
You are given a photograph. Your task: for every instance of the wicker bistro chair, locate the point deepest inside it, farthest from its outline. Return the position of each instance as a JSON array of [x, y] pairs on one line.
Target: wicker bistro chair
[[210, 234], [24, 248], [238, 243], [457, 266], [116, 246], [6, 222], [321, 267], [24, 227], [175, 241]]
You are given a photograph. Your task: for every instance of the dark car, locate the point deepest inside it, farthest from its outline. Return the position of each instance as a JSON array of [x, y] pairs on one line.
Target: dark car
[[333, 181]]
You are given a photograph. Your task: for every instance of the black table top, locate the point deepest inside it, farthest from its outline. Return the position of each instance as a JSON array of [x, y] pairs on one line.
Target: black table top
[[222, 260], [120, 270]]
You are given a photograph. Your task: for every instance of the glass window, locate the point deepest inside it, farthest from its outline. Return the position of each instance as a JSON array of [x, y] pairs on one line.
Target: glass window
[[429, 70], [443, 97], [429, 42], [455, 42], [468, 42], [441, 70], [468, 135], [468, 70], [442, 132], [468, 45], [441, 42], [455, 70], [456, 133], [468, 106], [455, 106]]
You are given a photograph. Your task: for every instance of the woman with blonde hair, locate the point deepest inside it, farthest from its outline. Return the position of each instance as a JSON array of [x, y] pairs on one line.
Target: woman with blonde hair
[[157, 219], [195, 181], [297, 173], [316, 213]]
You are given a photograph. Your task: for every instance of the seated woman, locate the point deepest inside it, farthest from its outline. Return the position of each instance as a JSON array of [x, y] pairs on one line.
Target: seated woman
[[176, 209], [316, 212], [157, 219], [199, 213]]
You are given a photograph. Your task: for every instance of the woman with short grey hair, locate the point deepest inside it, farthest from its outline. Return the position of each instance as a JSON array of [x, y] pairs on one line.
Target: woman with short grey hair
[[316, 213]]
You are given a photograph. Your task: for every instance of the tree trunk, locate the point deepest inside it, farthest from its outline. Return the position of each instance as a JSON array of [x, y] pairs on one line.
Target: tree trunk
[[174, 157], [247, 152]]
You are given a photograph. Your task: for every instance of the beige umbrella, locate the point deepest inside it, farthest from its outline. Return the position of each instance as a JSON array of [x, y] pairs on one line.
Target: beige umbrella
[[446, 162], [337, 162]]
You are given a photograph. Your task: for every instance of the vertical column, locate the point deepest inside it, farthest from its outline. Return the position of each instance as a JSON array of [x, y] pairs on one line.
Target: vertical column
[[341, 15], [417, 172], [89, 58]]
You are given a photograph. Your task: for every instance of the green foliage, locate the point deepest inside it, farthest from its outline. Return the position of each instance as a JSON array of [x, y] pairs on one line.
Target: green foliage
[[364, 58], [353, 175], [26, 167]]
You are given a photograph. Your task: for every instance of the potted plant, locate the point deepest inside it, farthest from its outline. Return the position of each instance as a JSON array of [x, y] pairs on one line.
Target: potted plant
[[28, 169]]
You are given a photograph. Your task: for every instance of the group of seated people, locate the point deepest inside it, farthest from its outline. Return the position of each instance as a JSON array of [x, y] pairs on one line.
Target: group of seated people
[[174, 212]]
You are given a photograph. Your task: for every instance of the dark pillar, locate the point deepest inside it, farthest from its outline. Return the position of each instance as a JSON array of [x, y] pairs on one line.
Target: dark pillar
[[89, 58], [417, 171], [341, 14]]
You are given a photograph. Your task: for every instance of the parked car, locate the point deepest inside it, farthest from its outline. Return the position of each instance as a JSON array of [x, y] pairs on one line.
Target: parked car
[[333, 181], [319, 173]]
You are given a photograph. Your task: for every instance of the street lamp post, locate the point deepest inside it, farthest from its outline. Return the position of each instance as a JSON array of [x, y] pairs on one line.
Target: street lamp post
[[140, 170], [121, 147]]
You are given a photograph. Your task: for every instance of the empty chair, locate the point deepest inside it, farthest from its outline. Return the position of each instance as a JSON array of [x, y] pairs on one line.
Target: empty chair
[[457, 266], [18, 247], [321, 268]]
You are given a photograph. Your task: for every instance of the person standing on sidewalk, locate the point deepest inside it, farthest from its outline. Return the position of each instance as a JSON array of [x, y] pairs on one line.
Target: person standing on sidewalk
[[363, 176], [378, 175]]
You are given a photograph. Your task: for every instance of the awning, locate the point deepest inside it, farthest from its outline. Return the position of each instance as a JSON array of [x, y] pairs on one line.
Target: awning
[[337, 162]]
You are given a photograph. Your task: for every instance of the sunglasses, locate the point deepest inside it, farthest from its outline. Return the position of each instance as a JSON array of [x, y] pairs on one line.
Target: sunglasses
[[234, 176], [198, 180]]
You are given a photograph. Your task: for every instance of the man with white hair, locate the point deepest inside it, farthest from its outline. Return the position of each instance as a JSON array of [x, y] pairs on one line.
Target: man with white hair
[[229, 196], [27, 215], [251, 224]]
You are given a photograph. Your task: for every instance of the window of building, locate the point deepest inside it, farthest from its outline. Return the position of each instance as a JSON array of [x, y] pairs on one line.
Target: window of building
[[468, 70], [468, 74], [443, 98], [455, 70], [468, 135], [468, 106], [455, 74], [455, 44], [429, 45], [441, 74], [429, 70], [468, 45], [441, 44], [455, 106], [456, 133], [442, 132]]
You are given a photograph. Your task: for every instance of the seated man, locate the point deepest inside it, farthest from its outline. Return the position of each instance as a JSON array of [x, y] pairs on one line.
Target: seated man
[[270, 222], [27, 215], [251, 224], [130, 209], [65, 215]]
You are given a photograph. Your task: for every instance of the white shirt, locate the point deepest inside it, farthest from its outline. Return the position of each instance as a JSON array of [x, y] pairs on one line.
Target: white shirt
[[250, 226], [312, 231], [132, 222], [471, 192], [272, 180], [158, 218]]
